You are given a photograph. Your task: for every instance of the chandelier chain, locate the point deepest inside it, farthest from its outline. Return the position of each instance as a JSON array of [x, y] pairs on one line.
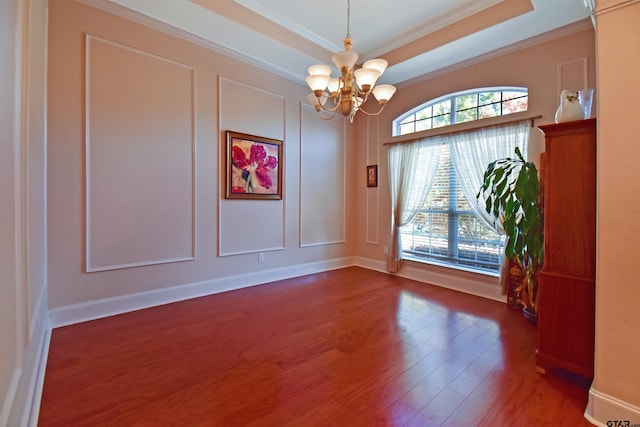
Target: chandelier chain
[[348, 18]]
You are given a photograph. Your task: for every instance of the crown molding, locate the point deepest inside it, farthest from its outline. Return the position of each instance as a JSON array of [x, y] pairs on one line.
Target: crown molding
[[576, 27], [600, 10], [431, 26], [133, 16], [288, 24]]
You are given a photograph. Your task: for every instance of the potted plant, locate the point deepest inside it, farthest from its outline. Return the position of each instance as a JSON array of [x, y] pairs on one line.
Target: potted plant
[[511, 191]]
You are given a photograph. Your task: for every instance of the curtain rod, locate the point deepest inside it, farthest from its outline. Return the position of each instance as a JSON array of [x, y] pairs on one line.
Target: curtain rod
[[449, 132]]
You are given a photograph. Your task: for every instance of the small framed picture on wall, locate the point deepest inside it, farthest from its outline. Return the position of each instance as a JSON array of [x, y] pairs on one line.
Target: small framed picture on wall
[[372, 176]]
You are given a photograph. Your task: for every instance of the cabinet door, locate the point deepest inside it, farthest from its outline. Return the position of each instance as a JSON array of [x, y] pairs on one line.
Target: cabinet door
[[566, 323], [570, 201]]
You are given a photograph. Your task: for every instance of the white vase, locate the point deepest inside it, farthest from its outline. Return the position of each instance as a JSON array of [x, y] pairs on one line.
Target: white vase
[[569, 108]]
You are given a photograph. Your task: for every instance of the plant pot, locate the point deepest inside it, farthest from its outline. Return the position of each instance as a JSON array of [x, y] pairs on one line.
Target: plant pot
[[530, 316]]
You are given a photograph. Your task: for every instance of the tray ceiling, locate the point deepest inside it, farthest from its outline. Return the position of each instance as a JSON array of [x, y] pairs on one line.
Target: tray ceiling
[[417, 37]]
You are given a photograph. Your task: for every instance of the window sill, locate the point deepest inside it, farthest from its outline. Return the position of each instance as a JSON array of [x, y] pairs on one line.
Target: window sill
[[481, 283], [448, 266]]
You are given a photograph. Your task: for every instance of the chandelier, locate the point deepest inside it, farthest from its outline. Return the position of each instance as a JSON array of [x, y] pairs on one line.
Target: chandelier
[[350, 91]]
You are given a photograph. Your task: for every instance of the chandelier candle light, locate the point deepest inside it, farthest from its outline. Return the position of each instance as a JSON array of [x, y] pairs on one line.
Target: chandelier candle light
[[351, 90]]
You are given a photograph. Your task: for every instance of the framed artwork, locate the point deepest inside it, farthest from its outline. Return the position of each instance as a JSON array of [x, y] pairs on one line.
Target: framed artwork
[[372, 176], [253, 167]]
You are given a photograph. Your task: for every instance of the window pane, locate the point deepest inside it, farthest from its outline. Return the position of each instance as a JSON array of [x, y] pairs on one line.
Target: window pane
[[442, 108], [512, 95], [409, 119], [491, 110], [466, 101], [489, 98], [444, 120], [467, 116], [515, 105], [423, 125], [424, 113], [477, 242], [407, 128], [427, 235], [442, 114]]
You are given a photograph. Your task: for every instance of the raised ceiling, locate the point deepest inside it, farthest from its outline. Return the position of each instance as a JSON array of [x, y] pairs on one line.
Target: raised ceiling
[[417, 37]]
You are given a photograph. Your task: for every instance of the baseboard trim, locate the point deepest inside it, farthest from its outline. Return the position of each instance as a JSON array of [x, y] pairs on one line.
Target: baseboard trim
[[469, 283], [602, 408], [92, 310], [21, 405], [38, 383], [10, 397]]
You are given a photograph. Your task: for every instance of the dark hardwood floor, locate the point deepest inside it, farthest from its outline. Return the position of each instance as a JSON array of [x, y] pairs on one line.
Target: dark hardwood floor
[[350, 347]]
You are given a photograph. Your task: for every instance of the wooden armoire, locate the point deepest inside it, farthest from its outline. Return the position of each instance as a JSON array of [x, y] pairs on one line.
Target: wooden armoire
[[566, 304]]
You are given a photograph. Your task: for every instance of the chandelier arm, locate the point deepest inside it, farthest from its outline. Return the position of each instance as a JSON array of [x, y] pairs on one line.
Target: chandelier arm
[[358, 94], [329, 117], [337, 99], [332, 109], [371, 114], [363, 94]]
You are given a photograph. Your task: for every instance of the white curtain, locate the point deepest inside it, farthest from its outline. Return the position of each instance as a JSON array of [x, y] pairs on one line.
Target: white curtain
[[471, 153], [412, 167]]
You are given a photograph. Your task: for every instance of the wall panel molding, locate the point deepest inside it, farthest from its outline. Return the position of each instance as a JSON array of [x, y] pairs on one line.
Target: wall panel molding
[[323, 178], [373, 194], [573, 75], [248, 226], [139, 118]]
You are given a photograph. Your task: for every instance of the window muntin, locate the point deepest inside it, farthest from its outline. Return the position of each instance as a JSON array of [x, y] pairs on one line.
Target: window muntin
[[462, 107]]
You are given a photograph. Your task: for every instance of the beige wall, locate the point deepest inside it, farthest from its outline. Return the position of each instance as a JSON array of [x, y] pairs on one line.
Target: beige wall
[[137, 122], [615, 393], [23, 323], [545, 66]]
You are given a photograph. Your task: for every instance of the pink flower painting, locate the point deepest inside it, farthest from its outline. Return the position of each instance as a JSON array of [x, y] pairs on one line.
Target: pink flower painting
[[254, 167]]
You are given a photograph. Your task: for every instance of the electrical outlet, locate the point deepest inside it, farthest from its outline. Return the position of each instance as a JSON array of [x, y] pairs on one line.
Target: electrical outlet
[[385, 250], [261, 257]]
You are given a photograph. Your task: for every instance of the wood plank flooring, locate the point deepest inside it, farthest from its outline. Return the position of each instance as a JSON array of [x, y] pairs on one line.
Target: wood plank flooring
[[349, 347]]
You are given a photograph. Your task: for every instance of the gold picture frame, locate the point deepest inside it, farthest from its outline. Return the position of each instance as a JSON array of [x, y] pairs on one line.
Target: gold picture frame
[[253, 167]]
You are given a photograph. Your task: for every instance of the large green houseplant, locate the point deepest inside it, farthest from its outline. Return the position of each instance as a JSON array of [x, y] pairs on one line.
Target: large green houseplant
[[511, 191]]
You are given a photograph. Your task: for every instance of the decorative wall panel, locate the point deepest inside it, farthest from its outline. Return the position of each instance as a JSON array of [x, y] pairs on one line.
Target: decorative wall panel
[[139, 154], [572, 75], [247, 226], [373, 193], [322, 179]]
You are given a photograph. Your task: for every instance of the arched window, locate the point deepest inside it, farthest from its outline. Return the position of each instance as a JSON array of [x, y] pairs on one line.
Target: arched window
[[446, 230], [462, 107]]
